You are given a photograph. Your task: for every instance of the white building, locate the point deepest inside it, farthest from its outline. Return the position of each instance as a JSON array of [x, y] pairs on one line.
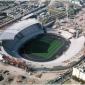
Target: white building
[[79, 72]]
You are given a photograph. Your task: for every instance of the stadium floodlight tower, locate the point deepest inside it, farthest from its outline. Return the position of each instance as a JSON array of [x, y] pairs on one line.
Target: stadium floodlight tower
[[15, 36]]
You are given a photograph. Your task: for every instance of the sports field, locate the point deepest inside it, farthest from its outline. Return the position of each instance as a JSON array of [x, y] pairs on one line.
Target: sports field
[[43, 46]]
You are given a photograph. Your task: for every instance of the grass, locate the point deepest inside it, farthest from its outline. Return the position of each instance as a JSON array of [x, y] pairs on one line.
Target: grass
[[44, 46]]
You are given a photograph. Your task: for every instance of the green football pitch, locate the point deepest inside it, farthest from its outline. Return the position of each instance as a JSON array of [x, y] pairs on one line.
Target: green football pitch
[[43, 46]]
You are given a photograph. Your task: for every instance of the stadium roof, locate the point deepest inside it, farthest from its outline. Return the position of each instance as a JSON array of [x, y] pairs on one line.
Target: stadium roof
[[11, 32]]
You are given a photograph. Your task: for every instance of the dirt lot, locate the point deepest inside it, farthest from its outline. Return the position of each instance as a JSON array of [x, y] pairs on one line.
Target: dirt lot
[[10, 75], [13, 75]]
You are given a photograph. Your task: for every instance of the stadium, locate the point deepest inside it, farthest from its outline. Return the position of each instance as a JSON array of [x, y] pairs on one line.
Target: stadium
[[30, 41], [33, 42]]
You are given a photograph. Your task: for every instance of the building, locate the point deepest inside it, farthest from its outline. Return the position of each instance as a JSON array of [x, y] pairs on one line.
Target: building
[[77, 2], [79, 73]]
